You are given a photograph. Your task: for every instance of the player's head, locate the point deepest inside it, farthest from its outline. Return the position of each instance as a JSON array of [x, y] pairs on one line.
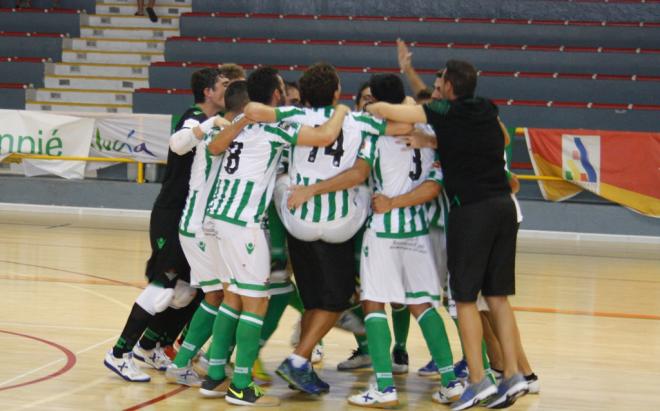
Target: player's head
[[319, 85], [266, 86], [363, 96], [387, 87], [232, 72], [236, 96], [457, 80], [207, 87], [292, 94]]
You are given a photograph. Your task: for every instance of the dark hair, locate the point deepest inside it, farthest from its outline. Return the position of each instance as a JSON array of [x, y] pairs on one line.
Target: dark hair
[[231, 71], [462, 76], [387, 87], [359, 93], [262, 83], [318, 85], [201, 80], [236, 96], [422, 95]]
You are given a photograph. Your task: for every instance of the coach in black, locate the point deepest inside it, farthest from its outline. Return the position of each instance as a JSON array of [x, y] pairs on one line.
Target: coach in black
[[482, 228]]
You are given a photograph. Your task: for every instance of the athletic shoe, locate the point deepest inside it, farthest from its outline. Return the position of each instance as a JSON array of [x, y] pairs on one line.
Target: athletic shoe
[[399, 362], [497, 375], [323, 386], [349, 321], [474, 394], [152, 14], [211, 388], [295, 336], [259, 373], [372, 398], [125, 367], [356, 361], [251, 395], [452, 392], [429, 370], [533, 383], [317, 353], [156, 358], [184, 376], [461, 370], [509, 390], [201, 366], [300, 378]]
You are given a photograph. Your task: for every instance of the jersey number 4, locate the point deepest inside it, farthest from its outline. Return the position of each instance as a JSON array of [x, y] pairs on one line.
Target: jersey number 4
[[335, 150], [233, 157]]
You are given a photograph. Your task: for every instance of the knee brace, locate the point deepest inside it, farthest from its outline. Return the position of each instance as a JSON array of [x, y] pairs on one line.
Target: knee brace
[[154, 299], [183, 295]]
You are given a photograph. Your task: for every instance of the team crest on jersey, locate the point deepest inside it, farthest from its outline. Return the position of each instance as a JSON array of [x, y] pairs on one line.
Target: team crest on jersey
[[285, 125], [249, 247], [202, 246], [366, 251], [160, 242]]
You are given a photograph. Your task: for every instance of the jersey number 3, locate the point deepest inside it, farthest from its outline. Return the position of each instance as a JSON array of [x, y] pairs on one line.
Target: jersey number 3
[[335, 150], [417, 161], [233, 157]]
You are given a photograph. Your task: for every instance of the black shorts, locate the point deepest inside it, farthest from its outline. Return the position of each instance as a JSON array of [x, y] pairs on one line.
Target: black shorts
[[166, 253], [481, 248], [325, 273]]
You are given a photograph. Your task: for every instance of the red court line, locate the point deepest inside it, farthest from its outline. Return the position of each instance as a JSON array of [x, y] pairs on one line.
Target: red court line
[[606, 314], [70, 361], [156, 399]]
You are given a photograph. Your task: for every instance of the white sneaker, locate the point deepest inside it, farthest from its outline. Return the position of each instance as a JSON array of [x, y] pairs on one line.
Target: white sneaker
[[155, 358], [533, 383], [125, 367], [183, 376], [295, 336], [373, 398], [356, 361], [452, 392], [317, 354], [350, 322], [201, 366]]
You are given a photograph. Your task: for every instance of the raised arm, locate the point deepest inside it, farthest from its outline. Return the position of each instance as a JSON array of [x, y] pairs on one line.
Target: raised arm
[[184, 140], [223, 139], [298, 195], [421, 194], [260, 113], [403, 113], [405, 64], [327, 133]]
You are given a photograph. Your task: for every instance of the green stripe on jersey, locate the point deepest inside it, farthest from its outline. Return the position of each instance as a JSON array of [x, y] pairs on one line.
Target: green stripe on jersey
[[245, 199], [344, 206], [332, 205], [188, 212]]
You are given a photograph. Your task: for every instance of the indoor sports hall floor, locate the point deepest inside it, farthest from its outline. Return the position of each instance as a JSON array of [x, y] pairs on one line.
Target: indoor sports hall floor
[[590, 325]]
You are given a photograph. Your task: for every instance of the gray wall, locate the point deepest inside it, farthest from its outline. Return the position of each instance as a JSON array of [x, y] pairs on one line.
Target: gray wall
[[12, 99], [22, 72], [51, 22]]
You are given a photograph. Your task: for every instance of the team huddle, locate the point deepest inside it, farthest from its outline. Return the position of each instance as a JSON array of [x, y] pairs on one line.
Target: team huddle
[[403, 201]]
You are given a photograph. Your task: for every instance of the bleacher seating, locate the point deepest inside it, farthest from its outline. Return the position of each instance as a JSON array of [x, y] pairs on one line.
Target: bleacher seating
[[12, 96]]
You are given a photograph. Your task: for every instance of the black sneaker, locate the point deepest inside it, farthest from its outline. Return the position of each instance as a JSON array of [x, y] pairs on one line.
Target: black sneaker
[[399, 362], [250, 395], [214, 388], [152, 14]]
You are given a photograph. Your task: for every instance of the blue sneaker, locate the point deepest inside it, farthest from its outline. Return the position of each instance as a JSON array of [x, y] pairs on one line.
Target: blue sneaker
[[474, 394], [461, 370], [509, 390], [324, 387], [300, 378], [429, 370]]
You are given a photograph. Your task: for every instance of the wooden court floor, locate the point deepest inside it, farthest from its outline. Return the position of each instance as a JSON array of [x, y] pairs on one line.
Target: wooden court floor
[[590, 326]]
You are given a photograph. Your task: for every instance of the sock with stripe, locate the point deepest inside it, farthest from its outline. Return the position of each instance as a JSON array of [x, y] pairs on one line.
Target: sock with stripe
[[224, 332], [135, 325], [150, 337], [363, 345], [380, 340], [199, 331], [276, 306], [433, 329], [401, 325], [248, 332], [295, 301]]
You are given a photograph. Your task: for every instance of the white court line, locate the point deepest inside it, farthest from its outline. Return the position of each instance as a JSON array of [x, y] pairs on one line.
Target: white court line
[[58, 327]]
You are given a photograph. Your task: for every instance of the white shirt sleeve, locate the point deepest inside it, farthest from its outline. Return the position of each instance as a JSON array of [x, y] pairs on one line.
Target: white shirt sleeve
[[184, 140]]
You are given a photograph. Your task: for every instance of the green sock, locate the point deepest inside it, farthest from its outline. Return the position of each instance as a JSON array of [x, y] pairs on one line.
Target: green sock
[[380, 340], [198, 332], [277, 235], [224, 331], [401, 325], [247, 347], [295, 301], [276, 306], [363, 344], [435, 335]]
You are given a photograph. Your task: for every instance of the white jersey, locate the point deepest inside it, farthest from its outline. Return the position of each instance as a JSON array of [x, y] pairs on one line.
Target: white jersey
[[244, 185], [394, 172], [309, 165], [204, 166], [437, 210]]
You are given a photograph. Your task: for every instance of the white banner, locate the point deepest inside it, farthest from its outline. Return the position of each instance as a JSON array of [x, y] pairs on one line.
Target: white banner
[[37, 132], [142, 137]]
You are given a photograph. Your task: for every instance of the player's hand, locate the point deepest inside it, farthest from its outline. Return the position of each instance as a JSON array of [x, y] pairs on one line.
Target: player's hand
[[381, 204], [416, 140], [298, 195], [404, 55]]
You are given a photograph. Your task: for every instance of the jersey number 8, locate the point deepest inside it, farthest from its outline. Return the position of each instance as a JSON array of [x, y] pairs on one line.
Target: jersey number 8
[[233, 157]]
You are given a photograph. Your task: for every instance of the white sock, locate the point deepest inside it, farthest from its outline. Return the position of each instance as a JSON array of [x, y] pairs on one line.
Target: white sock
[[297, 360]]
